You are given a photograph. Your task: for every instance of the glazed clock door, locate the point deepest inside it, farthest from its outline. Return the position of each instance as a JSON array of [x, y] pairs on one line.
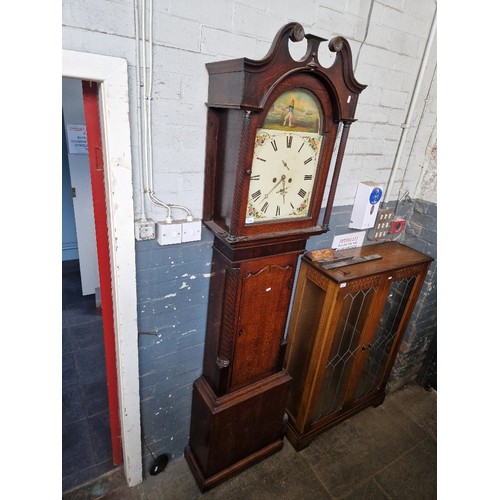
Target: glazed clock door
[[266, 288], [285, 159]]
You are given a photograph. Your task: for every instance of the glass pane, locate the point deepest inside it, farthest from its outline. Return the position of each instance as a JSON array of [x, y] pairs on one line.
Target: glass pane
[[385, 335], [355, 310], [285, 160], [303, 342]]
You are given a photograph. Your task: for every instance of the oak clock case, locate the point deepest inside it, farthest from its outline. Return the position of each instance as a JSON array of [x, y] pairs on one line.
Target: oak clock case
[[271, 130]]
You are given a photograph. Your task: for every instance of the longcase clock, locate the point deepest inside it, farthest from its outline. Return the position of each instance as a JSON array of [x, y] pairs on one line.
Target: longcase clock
[[271, 129]]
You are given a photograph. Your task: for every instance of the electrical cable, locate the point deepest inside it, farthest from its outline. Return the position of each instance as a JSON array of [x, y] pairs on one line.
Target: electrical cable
[[159, 463], [144, 66], [368, 19]]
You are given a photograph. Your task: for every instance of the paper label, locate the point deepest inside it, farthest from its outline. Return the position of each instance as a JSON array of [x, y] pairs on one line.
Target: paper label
[[350, 240]]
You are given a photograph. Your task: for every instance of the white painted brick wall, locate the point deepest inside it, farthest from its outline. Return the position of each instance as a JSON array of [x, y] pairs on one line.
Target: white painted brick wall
[[339, 22], [179, 33], [190, 33], [113, 18], [255, 22], [215, 13], [220, 42]]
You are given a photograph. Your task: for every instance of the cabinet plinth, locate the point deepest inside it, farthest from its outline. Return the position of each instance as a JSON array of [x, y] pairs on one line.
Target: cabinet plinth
[[345, 330]]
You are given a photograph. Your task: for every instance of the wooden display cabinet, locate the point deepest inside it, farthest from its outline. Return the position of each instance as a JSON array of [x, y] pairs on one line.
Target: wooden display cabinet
[[345, 330]]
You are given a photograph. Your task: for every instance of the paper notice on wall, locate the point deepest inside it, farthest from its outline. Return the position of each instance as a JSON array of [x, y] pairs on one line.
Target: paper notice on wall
[[77, 139], [350, 240]]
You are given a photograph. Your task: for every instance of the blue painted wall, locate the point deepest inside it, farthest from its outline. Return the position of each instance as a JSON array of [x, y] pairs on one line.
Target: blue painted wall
[[172, 285], [172, 288]]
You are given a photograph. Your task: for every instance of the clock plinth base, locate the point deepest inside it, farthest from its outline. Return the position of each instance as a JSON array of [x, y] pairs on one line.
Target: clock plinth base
[[207, 483], [233, 432]]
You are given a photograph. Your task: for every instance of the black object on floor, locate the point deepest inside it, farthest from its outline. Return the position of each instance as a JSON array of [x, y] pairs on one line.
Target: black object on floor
[[159, 465]]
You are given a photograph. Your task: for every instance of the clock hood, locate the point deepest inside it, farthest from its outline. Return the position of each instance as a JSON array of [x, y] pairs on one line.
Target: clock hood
[[247, 83]]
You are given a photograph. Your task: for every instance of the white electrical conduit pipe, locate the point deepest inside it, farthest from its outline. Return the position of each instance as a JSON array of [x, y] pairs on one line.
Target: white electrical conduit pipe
[[139, 111], [142, 129], [144, 99], [422, 113], [146, 106], [146, 113], [405, 126], [148, 85]]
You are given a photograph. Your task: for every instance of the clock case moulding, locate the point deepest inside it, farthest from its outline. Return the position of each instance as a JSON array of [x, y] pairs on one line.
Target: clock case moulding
[[238, 405], [240, 94]]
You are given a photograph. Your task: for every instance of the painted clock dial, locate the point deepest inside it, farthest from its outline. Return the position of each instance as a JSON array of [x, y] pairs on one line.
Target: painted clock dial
[[285, 159]]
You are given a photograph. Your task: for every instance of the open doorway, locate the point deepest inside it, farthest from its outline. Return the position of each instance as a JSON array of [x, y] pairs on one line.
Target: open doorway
[[114, 110], [90, 432]]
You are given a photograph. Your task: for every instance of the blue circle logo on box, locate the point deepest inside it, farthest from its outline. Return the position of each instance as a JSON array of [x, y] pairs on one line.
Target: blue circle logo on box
[[375, 195]]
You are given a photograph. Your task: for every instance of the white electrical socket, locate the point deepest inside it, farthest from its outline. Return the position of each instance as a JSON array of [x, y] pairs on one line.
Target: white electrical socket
[[191, 231], [144, 230], [168, 233]]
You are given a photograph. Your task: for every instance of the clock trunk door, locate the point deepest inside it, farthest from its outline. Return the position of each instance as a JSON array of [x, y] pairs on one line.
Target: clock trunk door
[[266, 289]]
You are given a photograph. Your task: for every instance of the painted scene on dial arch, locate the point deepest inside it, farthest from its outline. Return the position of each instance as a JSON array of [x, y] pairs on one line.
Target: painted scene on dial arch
[[295, 110]]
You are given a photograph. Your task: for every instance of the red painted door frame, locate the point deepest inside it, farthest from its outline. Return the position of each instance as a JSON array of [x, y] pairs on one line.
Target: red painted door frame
[[96, 163]]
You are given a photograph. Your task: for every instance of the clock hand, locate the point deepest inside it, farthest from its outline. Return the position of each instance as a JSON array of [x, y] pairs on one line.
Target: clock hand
[[283, 191], [282, 180], [285, 164]]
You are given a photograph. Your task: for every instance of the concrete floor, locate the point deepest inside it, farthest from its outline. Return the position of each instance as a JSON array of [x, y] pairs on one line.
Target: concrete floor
[[387, 452]]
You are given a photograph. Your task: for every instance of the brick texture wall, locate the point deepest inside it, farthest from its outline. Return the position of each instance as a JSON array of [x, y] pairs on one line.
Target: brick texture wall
[[172, 282], [187, 34], [420, 234]]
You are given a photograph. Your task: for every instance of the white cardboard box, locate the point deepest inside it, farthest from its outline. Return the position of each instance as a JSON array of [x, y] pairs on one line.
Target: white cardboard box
[[366, 204]]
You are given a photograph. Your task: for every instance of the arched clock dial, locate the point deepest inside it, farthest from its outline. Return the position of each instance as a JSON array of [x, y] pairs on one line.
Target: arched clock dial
[[282, 175]]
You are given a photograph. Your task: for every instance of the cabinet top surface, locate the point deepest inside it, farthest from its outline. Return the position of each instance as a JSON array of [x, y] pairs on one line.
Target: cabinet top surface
[[394, 256]]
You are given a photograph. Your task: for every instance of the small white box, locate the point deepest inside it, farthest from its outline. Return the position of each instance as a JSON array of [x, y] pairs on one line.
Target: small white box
[[191, 231], [168, 233], [144, 230], [366, 204]]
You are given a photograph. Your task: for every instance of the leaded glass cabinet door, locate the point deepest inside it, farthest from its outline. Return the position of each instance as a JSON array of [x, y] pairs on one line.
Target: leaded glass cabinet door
[[380, 348], [353, 321]]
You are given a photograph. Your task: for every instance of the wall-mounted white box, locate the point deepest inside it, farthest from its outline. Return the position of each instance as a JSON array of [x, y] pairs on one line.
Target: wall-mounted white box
[[144, 230], [191, 231], [168, 233], [366, 205]]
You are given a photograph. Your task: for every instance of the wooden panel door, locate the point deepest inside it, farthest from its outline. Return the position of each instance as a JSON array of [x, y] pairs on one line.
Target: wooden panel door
[[265, 289]]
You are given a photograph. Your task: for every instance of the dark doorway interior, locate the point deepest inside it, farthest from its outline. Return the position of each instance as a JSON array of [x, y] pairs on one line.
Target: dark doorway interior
[[86, 438]]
